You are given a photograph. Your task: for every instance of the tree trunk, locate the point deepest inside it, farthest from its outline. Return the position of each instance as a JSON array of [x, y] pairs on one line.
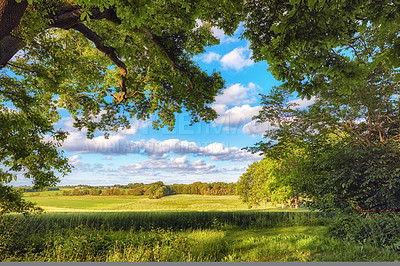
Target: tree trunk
[[11, 13], [296, 201], [283, 204]]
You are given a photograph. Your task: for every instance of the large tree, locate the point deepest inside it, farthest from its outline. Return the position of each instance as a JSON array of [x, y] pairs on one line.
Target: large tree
[[350, 144], [103, 61]]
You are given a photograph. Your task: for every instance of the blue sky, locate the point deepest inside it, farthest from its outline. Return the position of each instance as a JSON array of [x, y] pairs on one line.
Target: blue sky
[[202, 152]]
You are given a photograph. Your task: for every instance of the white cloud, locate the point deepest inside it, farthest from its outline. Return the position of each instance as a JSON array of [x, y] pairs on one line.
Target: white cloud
[[219, 108], [179, 165], [237, 94], [218, 152], [237, 116], [220, 34], [254, 128], [76, 164], [237, 59], [114, 145], [154, 149], [210, 57]]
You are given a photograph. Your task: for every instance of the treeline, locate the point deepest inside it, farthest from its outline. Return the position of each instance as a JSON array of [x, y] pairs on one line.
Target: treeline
[[158, 190], [46, 189]]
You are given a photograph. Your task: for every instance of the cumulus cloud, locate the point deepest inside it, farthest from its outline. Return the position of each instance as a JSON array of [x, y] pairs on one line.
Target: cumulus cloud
[[180, 165], [237, 94], [218, 152], [75, 162], [237, 59], [254, 128], [154, 149], [210, 57], [237, 115]]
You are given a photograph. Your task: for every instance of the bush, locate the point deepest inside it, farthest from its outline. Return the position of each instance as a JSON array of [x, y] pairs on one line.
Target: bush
[[381, 229]]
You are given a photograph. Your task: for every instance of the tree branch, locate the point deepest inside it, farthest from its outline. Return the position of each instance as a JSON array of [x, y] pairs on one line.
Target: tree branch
[[11, 13], [154, 39], [66, 17], [110, 52], [9, 46], [72, 17]]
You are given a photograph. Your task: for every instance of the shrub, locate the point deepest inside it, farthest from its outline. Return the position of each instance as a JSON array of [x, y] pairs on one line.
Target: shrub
[[382, 229]]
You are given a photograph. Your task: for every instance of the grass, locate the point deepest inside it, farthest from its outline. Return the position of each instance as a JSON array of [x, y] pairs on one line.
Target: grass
[[174, 228], [57, 237]]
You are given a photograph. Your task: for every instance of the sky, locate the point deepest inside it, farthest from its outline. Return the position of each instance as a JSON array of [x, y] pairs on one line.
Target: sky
[[203, 152]]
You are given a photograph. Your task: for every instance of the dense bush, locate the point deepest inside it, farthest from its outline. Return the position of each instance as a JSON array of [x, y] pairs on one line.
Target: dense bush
[[382, 229], [345, 177]]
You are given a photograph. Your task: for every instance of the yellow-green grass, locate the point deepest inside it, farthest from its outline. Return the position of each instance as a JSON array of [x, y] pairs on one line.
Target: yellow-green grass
[[45, 193], [180, 202]]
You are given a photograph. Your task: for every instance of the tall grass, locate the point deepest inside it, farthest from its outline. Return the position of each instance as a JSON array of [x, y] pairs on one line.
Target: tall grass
[[170, 220], [192, 236]]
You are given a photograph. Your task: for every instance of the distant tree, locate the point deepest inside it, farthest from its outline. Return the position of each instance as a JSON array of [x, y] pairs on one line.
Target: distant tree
[[137, 191]]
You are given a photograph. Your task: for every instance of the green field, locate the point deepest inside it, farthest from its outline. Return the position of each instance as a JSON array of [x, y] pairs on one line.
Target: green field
[[173, 228], [51, 203]]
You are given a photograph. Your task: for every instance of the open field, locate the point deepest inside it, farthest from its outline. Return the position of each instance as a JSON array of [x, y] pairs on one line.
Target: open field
[[173, 228], [182, 202]]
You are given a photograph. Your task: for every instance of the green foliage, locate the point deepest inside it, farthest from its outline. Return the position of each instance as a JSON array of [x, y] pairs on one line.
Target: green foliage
[[268, 180], [157, 190], [11, 201], [345, 177], [174, 220], [381, 229], [312, 46], [347, 145]]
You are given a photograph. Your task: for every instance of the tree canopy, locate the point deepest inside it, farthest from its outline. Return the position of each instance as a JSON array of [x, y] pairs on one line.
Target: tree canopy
[[105, 62], [315, 44]]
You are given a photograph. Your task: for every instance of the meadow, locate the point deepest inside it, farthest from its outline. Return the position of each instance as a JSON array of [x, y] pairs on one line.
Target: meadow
[[173, 228], [51, 202]]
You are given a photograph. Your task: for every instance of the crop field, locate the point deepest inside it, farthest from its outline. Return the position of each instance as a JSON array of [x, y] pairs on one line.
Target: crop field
[[173, 228], [52, 203]]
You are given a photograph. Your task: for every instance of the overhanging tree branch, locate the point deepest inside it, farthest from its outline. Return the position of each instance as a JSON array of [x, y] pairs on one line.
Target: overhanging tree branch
[[110, 52], [68, 18], [65, 17], [155, 40]]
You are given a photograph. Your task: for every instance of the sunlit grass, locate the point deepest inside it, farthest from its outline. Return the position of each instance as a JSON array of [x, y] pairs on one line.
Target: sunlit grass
[[143, 203]]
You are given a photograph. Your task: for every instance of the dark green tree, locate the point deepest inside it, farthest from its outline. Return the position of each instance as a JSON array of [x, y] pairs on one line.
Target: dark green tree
[[350, 144]]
